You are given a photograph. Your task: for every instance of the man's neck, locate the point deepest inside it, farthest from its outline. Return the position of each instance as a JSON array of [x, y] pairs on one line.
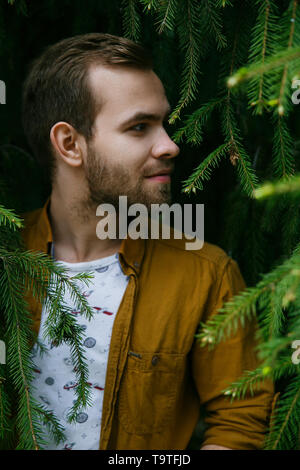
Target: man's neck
[[73, 227]]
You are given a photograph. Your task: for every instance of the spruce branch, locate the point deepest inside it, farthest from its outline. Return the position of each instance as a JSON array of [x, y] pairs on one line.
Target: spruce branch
[[224, 3], [61, 327], [250, 381], [36, 272], [275, 348], [238, 155], [193, 125], [47, 418], [228, 318], [166, 15], [291, 225], [5, 409], [243, 305], [43, 275], [283, 150], [131, 20], [273, 318], [8, 217], [230, 129], [277, 188], [272, 63], [213, 22], [190, 44], [284, 430], [17, 318], [150, 5], [265, 35], [203, 171], [284, 101]]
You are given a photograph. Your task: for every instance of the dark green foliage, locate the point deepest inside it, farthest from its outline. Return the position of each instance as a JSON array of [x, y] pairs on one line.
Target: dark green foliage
[[228, 67], [22, 272]]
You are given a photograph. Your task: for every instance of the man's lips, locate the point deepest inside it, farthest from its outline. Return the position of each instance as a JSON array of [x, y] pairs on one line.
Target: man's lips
[[162, 176]]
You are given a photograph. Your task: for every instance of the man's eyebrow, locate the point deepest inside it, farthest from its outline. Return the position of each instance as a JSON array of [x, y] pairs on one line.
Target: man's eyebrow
[[141, 116]]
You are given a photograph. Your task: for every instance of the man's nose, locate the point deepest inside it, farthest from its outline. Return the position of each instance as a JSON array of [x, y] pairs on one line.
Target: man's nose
[[165, 147]]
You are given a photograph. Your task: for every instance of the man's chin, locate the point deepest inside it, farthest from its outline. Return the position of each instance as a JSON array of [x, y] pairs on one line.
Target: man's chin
[[159, 193], [161, 197]]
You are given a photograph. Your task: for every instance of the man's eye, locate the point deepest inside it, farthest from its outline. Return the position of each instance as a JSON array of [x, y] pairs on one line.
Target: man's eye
[[134, 128]]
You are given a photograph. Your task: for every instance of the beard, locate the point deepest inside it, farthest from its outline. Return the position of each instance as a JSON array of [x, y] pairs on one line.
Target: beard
[[107, 182]]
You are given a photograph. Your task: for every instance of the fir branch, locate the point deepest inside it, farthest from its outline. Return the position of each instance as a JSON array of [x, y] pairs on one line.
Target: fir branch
[[248, 178], [190, 44], [224, 3], [192, 128], [41, 275], [284, 432], [166, 15], [276, 354], [253, 379], [284, 101], [277, 188], [272, 63], [250, 380], [231, 132], [283, 150], [203, 171], [243, 305], [153, 5], [61, 327], [264, 37], [213, 22], [55, 429], [291, 226], [275, 351], [18, 321], [8, 217], [238, 155], [131, 20], [5, 409], [226, 321], [51, 280], [273, 318]]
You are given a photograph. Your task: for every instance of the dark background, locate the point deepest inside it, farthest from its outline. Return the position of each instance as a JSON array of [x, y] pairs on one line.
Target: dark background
[[241, 226], [25, 32]]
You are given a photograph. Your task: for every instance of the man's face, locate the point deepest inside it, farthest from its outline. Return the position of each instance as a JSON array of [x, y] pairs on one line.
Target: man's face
[[128, 155]]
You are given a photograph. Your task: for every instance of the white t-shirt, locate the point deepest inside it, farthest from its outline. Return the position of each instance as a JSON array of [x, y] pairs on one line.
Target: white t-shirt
[[55, 380]]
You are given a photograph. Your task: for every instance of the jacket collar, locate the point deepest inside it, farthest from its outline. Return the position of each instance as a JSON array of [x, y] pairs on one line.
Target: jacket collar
[[39, 237]]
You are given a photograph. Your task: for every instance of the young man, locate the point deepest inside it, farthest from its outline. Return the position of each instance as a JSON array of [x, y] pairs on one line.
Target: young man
[[93, 113]]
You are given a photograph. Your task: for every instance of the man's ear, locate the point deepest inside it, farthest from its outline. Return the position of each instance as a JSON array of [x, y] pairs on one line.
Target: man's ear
[[68, 144]]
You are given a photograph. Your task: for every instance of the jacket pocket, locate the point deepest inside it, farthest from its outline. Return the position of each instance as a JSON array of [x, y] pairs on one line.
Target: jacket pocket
[[148, 391]]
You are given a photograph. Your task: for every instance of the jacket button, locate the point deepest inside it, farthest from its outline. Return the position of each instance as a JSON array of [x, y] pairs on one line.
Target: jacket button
[[154, 360]]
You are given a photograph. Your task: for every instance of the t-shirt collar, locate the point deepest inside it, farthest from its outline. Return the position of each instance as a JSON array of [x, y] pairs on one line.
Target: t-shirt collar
[[131, 251]]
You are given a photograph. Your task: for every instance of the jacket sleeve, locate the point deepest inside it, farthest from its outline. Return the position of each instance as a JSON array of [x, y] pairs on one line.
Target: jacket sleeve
[[242, 423]]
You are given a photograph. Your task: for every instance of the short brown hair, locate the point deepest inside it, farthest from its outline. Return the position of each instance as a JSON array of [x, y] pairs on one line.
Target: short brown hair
[[56, 88]]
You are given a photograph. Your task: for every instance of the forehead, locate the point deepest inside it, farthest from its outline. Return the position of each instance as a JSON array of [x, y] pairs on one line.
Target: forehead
[[123, 90]]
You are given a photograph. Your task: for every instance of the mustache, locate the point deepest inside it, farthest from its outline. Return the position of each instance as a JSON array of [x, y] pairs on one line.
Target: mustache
[[154, 170]]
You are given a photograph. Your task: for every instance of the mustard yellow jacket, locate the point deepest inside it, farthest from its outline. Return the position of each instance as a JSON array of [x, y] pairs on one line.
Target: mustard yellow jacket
[[157, 374]]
